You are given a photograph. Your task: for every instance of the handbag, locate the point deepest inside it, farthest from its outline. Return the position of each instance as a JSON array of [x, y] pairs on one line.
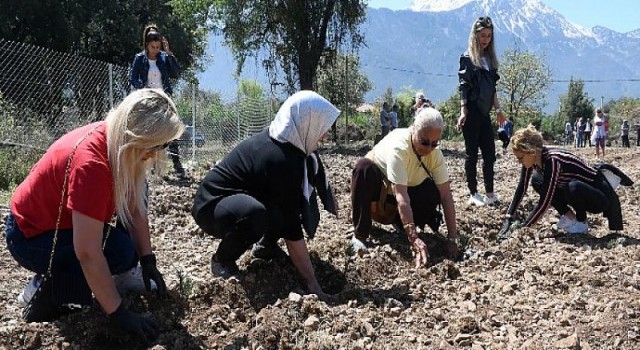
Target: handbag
[[385, 209]]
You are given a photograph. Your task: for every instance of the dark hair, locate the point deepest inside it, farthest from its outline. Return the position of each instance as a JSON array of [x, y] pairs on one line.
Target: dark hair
[[150, 33], [483, 22]]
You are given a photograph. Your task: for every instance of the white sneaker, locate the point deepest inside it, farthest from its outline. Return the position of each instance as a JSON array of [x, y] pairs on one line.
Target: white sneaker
[[357, 245], [578, 227], [564, 223], [29, 290], [491, 200], [131, 281], [476, 199]]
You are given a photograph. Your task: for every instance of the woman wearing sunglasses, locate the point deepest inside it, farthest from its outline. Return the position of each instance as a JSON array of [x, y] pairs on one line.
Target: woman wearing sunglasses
[[565, 182], [59, 221], [408, 169], [478, 75]]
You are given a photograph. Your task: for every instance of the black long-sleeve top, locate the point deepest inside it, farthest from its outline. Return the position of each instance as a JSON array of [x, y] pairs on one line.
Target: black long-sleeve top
[[269, 171], [477, 85], [559, 167]]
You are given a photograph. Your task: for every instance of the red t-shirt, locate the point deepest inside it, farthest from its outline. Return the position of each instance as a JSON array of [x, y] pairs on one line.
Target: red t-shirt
[[36, 201]]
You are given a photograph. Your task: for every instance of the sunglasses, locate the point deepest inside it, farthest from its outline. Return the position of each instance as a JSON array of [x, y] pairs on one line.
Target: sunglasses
[[483, 22], [429, 143]]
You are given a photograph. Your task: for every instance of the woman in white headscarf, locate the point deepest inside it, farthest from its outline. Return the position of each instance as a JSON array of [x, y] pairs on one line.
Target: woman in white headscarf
[[265, 188]]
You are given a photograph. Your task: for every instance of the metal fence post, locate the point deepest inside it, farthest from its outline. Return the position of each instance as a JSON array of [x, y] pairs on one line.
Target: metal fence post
[[194, 86], [110, 67]]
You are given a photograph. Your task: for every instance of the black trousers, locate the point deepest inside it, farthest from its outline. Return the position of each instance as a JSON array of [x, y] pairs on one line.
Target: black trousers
[[366, 182], [478, 134], [579, 195], [240, 221], [174, 153]]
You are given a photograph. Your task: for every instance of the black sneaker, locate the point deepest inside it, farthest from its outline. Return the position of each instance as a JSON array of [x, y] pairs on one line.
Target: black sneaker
[[224, 270]]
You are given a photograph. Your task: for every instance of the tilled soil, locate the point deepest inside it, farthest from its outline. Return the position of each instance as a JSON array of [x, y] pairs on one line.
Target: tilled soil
[[529, 292]]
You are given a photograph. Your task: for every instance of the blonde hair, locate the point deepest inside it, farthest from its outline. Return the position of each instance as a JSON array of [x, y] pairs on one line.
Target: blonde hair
[[527, 140], [473, 48], [145, 119]]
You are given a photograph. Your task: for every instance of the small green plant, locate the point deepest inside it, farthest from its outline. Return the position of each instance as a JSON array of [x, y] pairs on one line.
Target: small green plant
[[185, 284]]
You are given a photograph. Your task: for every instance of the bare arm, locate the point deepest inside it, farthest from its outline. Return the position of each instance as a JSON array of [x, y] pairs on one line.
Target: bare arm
[[449, 209], [499, 114], [406, 215], [301, 260], [87, 241], [140, 234]]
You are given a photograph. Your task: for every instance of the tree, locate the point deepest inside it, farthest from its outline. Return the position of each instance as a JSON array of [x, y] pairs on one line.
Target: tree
[[524, 78], [294, 33], [106, 30], [341, 79], [250, 90], [576, 103]]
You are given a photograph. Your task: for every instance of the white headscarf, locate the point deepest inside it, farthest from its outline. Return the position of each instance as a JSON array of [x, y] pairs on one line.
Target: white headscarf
[[302, 120]]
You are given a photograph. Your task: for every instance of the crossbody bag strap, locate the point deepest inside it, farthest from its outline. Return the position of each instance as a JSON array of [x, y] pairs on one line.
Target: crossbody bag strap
[[67, 173]]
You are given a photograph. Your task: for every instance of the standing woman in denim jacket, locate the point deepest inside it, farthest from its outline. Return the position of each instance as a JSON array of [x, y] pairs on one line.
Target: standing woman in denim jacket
[[478, 75], [152, 68]]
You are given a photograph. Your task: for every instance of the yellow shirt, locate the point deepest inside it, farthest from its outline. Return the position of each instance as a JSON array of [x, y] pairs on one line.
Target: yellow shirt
[[394, 155]]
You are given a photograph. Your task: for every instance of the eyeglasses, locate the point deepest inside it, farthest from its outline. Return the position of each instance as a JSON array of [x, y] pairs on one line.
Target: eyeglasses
[[483, 22], [429, 143]]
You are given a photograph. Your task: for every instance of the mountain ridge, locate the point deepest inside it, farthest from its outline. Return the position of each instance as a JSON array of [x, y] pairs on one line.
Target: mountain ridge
[[420, 49]]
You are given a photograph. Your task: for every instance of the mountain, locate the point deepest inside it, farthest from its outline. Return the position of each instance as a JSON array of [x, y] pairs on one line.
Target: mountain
[[420, 48]]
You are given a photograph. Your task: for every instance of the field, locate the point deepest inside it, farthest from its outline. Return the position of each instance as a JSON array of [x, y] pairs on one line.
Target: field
[[527, 292]]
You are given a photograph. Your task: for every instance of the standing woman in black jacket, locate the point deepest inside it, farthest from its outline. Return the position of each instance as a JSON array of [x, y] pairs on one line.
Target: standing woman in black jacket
[[478, 76], [152, 68]]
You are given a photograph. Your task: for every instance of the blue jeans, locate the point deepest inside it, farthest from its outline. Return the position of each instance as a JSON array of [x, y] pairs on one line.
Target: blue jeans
[[69, 283]]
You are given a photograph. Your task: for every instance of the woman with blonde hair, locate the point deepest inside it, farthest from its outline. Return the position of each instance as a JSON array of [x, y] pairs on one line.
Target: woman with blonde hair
[[59, 221], [478, 75], [564, 181]]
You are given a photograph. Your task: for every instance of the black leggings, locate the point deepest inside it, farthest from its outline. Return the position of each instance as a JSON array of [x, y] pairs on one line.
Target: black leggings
[[581, 196], [239, 220], [478, 133]]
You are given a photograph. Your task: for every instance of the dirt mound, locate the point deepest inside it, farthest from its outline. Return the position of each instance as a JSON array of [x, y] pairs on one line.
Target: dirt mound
[[531, 292]]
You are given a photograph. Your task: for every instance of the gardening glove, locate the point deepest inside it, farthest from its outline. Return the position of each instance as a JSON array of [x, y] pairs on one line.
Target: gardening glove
[[150, 272], [137, 325], [505, 230]]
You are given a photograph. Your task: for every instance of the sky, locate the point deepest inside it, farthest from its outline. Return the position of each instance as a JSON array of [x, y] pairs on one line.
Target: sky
[[620, 15]]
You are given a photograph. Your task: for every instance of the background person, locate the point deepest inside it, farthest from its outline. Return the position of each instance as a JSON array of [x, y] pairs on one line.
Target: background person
[[564, 181], [410, 161], [505, 131], [587, 133], [101, 167], [478, 75], [153, 67], [625, 134], [599, 134], [394, 117], [385, 119], [264, 189]]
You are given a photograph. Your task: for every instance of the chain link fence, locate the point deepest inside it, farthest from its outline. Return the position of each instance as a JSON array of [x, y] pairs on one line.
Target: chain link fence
[[45, 94]]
